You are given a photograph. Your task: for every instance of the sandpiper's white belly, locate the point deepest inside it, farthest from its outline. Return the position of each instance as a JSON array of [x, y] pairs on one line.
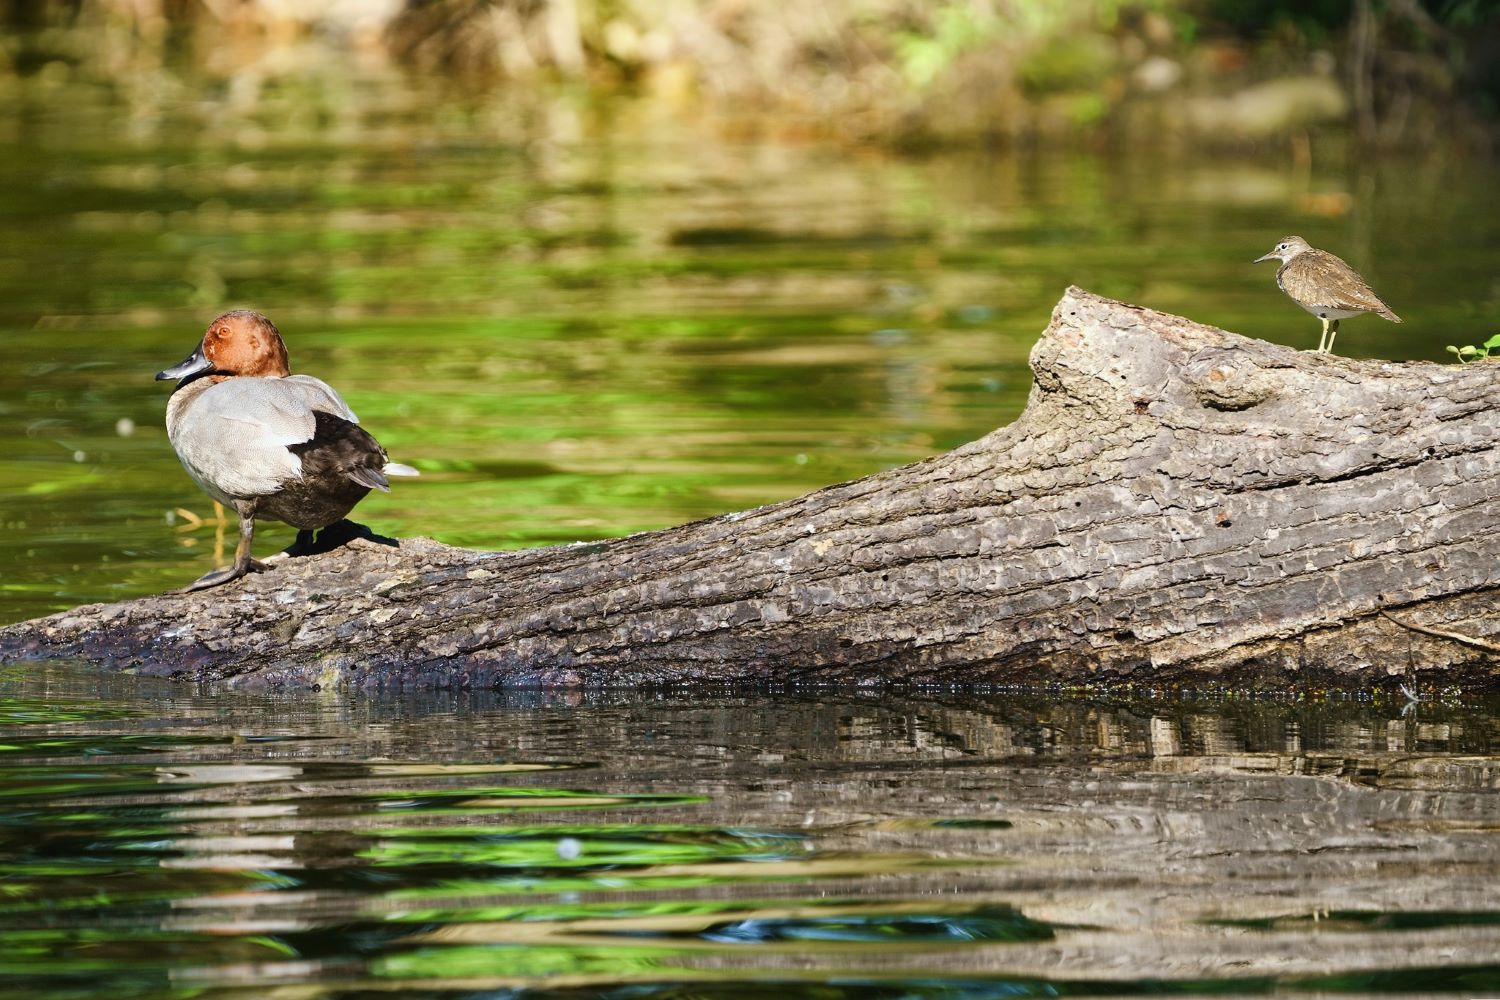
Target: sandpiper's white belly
[[1328, 312]]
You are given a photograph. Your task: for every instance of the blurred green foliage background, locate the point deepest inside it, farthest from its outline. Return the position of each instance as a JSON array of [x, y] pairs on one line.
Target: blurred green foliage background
[[895, 71]]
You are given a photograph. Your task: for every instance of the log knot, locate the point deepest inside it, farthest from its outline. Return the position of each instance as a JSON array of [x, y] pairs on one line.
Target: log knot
[[1228, 380]]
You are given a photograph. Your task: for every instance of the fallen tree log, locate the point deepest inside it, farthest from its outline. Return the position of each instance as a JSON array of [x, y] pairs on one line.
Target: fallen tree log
[[1176, 502]]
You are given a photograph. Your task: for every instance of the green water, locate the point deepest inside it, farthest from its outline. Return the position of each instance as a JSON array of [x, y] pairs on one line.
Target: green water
[[611, 324], [158, 841]]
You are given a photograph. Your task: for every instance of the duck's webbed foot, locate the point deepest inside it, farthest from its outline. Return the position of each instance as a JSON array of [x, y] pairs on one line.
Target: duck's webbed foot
[[243, 563], [223, 575]]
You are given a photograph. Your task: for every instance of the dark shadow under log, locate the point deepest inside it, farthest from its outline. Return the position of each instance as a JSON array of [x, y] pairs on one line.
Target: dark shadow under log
[[1176, 502]]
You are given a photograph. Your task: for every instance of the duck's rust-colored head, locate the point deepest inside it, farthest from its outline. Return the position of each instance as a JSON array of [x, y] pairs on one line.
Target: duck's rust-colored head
[[238, 343]]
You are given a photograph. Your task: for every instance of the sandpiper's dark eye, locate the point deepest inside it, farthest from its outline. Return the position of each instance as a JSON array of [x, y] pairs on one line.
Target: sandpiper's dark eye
[[1281, 246]]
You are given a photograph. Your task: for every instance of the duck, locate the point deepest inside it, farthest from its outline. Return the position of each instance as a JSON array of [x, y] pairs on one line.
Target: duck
[[269, 444]]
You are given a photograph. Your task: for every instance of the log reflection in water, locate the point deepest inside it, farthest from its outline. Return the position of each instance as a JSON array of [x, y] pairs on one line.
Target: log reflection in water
[[491, 841]]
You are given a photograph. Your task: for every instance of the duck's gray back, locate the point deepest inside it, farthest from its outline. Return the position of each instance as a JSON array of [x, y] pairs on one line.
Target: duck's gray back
[[233, 436]]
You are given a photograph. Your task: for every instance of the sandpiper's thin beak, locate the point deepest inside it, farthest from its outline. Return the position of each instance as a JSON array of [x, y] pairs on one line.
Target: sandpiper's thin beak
[[1265, 256], [194, 364]]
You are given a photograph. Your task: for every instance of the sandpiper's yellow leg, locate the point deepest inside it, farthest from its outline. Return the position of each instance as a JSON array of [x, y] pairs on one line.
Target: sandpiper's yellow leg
[[1323, 340], [1333, 331]]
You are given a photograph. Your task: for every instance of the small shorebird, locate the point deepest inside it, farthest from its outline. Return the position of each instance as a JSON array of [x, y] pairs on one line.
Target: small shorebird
[[1324, 285]]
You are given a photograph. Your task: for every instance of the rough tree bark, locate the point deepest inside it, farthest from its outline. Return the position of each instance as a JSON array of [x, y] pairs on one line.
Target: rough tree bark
[[1176, 502]]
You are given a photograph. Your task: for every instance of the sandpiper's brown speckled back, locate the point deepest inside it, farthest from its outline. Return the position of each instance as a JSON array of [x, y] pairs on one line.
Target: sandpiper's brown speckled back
[[1316, 278]]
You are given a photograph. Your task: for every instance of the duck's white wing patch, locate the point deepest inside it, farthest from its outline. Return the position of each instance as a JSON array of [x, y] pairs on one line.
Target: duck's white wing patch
[[319, 395]]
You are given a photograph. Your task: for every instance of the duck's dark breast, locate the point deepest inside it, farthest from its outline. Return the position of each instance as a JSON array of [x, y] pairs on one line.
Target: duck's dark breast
[[340, 464]]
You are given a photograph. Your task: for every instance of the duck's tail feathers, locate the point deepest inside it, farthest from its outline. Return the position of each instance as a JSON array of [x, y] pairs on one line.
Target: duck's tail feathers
[[397, 469]]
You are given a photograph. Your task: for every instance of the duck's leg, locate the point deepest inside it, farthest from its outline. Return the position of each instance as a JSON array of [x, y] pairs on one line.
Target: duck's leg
[[1323, 340], [302, 545], [243, 563], [328, 538], [1333, 331]]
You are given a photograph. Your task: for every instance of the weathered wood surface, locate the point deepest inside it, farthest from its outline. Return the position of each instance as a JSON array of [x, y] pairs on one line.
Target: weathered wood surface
[[1176, 502]]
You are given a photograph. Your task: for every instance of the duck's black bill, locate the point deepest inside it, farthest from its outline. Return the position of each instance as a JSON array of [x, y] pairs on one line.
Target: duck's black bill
[[193, 364]]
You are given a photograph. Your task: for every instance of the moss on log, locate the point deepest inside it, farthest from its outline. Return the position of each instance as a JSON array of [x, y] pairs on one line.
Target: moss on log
[[1176, 503]]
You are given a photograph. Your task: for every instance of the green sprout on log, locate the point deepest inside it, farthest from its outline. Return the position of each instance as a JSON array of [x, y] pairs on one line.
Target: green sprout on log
[[1489, 349]]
